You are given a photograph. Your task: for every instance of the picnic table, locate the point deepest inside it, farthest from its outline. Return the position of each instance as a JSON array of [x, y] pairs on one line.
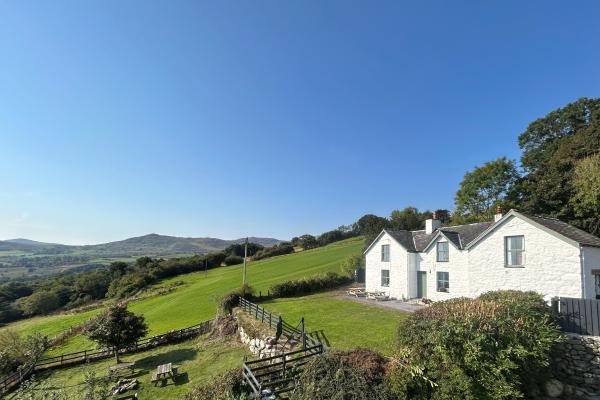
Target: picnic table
[[115, 369], [356, 291], [378, 296], [164, 372]]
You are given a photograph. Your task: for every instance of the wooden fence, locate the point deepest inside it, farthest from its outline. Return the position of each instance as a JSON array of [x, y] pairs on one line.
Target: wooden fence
[[580, 316], [13, 380], [278, 373]]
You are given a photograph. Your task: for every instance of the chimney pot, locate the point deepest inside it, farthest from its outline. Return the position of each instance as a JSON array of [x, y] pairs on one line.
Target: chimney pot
[[498, 215]]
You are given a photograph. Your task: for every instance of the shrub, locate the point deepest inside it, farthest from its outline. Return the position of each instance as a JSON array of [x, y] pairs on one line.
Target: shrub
[[233, 260], [492, 347], [341, 375], [16, 351], [277, 250], [231, 300], [309, 285], [226, 386]]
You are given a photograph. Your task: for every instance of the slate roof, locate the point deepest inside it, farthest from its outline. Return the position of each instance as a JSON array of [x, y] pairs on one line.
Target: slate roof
[[460, 235], [405, 238], [463, 235], [569, 231]]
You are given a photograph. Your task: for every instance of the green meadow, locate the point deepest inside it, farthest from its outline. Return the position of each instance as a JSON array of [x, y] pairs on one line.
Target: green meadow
[[194, 300]]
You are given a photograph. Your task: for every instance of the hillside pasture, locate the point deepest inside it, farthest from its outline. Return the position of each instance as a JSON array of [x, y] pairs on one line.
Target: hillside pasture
[[195, 300]]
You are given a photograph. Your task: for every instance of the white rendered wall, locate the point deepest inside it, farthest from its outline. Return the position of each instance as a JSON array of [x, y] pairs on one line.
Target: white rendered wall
[[552, 266], [397, 266], [457, 268]]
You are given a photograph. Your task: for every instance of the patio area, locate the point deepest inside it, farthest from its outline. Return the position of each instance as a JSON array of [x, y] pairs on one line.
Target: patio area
[[408, 306]]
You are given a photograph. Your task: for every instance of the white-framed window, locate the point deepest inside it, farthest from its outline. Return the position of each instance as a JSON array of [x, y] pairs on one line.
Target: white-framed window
[[385, 277], [514, 251], [385, 252], [443, 282], [443, 254]]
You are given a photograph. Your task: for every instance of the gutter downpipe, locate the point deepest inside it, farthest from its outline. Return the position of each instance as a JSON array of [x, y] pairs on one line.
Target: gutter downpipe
[[582, 260]]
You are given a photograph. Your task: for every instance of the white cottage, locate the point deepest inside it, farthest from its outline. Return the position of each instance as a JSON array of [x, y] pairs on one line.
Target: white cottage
[[515, 251]]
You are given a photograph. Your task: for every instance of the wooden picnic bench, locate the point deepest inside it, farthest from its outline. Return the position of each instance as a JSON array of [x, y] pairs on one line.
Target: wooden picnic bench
[[357, 292], [129, 397], [164, 372]]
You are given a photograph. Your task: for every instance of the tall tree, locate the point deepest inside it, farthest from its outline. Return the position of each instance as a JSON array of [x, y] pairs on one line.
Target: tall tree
[[586, 200], [370, 226], [483, 188], [116, 328], [408, 219], [543, 136], [553, 148]]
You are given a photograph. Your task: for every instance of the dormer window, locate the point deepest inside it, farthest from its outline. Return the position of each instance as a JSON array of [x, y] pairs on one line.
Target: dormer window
[[443, 254], [385, 252]]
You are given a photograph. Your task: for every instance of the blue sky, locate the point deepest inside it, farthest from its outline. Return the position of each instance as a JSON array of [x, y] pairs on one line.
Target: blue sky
[[270, 118]]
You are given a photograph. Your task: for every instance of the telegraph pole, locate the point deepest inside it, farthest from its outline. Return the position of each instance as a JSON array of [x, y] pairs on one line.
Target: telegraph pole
[[244, 276]]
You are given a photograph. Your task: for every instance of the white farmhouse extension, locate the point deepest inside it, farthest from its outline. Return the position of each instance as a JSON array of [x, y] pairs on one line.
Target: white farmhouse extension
[[516, 251]]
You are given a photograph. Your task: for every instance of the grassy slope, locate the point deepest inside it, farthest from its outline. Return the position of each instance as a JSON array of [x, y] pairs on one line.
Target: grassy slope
[[196, 364], [195, 301], [344, 323]]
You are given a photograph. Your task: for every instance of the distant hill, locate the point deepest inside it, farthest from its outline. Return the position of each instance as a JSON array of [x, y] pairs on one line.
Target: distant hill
[[30, 259], [165, 245], [152, 244]]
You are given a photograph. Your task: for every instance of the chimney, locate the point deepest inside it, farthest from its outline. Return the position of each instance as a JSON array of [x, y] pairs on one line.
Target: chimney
[[432, 224], [498, 215]]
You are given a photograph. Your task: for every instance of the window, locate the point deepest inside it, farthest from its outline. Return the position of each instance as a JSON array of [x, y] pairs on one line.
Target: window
[[385, 252], [442, 252], [596, 274], [443, 282], [514, 251], [385, 277]]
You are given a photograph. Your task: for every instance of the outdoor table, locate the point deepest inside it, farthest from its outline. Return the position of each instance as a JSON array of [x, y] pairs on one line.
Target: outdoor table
[[163, 372]]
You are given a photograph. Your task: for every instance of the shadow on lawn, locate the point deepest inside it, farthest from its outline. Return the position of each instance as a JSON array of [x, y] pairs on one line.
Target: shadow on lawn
[[174, 356], [321, 337]]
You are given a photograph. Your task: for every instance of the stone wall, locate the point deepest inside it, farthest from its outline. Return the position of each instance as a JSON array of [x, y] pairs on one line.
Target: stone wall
[[267, 346], [576, 369]]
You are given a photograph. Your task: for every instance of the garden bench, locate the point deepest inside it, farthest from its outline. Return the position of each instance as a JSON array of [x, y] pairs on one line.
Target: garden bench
[[164, 372]]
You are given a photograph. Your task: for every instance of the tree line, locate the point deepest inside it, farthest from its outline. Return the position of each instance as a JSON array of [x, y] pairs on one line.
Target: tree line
[[121, 280]]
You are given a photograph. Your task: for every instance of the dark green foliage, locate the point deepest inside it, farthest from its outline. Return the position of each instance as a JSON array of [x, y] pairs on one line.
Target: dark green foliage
[[307, 242], [16, 351], [370, 226], [554, 147], [238, 249], [116, 328], [492, 347], [355, 375], [313, 284], [233, 260], [544, 135], [341, 233], [40, 302], [226, 386], [483, 188], [232, 299], [277, 250]]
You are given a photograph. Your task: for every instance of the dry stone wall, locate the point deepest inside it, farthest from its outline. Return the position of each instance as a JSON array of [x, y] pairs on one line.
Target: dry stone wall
[[575, 369]]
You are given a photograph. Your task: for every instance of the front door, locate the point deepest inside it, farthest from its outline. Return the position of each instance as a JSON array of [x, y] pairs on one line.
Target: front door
[[421, 284]]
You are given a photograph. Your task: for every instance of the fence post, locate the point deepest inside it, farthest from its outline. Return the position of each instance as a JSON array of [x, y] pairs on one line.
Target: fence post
[[303, 333]]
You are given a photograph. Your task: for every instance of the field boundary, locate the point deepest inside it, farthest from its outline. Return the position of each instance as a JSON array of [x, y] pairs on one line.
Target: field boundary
[[277, 374], [13, 380]]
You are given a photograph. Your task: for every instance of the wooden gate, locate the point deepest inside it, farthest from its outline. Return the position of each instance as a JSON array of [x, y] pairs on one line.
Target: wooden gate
[[580, 316]]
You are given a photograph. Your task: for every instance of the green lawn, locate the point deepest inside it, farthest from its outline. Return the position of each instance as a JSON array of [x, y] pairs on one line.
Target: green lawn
[[198, 361], [195, 301], [345, 324]]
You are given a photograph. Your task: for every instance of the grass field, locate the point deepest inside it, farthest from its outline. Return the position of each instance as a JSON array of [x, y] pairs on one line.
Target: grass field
[[197, 361], [195, 300], [343, 323]]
